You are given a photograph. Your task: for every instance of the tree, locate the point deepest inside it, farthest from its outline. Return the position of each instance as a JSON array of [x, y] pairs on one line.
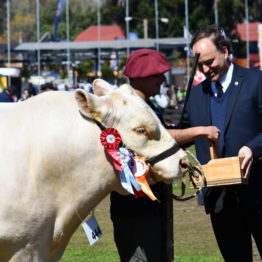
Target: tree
[[84, 68], [2, 20], [256, 11], [83, 13]]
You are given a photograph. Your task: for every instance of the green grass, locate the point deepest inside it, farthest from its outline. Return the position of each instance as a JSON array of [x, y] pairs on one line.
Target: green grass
[[75, 254], [198, 259]]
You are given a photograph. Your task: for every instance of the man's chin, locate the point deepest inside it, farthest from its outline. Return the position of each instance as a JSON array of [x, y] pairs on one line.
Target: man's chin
[[212, 78]]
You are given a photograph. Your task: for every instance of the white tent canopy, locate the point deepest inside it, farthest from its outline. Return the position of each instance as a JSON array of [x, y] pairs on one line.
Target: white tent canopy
[[8, 71]]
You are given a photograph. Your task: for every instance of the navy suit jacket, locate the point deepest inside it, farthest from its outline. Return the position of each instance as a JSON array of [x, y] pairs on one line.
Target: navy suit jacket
[[242, 127]]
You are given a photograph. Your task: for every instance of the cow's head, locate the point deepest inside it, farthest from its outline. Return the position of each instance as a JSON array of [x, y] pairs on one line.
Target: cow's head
[[139, 127]]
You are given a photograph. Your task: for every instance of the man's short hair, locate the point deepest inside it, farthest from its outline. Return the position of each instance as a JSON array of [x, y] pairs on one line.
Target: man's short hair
[[216, 34]]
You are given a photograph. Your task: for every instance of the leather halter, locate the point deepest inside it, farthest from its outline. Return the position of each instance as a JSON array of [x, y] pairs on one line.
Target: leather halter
[[153, 160], [161, 156], [167, 153]]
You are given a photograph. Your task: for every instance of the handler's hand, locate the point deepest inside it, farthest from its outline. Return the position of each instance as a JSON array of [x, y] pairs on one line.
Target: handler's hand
[[247, 155], [212, 133]]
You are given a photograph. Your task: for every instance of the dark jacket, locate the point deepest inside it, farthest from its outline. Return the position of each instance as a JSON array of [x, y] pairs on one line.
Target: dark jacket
[[129, 206], [242, 127], [5, 97]]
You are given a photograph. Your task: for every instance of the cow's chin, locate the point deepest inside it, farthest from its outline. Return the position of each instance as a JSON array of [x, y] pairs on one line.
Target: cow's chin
[[161, 179], [157, 176]]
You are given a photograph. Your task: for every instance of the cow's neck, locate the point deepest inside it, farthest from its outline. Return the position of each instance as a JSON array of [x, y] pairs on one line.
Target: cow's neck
[[141, 94]]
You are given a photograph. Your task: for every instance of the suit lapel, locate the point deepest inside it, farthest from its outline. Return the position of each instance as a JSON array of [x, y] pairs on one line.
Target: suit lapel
[[205, 103], [235, 86]]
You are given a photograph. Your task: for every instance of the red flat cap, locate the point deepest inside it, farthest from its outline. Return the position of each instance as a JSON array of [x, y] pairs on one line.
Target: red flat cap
[[145, 62]]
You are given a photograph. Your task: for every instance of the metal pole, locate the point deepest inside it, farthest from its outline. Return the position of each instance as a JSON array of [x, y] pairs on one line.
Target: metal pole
[[68, 40], [188, 90], [145, 25], [127, 27], [38, 43], [98, 39], [216, 13], [8, 39], [187, 39], [157, 24], [247, 33]]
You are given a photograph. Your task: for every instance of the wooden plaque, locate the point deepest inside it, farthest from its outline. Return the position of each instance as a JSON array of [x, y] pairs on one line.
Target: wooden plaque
[[221, 171]]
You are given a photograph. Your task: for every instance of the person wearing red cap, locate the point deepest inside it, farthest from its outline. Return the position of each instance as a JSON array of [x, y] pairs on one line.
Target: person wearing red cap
[[140, 224]]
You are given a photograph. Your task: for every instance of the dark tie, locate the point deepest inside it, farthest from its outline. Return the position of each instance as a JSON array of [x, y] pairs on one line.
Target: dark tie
[[219, 89]]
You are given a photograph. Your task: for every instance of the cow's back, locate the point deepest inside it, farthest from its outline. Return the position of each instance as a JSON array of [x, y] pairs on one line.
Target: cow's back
[[48, 152]]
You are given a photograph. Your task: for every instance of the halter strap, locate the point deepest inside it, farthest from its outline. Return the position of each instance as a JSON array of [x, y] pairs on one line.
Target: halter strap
[[99, 124], [172, 150]]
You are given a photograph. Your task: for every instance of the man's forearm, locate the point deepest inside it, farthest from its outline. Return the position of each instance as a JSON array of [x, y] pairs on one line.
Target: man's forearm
[[184, 136]]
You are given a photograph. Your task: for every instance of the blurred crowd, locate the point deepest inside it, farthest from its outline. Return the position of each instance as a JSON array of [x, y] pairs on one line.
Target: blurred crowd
[[170, 96]]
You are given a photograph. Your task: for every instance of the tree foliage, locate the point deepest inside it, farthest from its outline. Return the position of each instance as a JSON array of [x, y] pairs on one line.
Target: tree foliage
[[83, 13]]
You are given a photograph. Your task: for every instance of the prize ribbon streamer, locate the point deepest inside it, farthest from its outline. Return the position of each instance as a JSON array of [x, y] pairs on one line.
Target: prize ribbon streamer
[[126, 176], [121, 158]]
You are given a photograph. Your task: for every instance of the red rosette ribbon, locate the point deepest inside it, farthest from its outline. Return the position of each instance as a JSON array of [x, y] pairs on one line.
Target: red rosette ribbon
[[110, 138]]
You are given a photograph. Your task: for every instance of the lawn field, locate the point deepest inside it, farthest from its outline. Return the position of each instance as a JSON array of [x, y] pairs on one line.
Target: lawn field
[[194, 240]]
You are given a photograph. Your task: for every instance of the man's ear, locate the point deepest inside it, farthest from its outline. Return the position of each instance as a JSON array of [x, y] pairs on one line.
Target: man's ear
[[225, 52]]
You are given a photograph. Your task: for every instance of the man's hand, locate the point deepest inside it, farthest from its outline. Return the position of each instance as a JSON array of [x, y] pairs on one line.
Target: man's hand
[[246, 154], [212, 133]]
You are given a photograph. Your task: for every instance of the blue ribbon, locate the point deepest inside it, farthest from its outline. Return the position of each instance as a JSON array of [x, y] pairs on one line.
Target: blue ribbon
[[126, 177]]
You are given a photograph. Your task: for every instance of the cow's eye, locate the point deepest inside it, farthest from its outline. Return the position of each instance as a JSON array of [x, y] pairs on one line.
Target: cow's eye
[[140, 130]]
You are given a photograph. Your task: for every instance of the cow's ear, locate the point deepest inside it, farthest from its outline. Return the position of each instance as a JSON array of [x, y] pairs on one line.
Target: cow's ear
[[127, 89], [101, 87], [88, 103]]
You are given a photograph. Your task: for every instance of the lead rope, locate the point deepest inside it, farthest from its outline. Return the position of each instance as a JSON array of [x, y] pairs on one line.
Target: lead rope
[[198, 171], [193, 172]]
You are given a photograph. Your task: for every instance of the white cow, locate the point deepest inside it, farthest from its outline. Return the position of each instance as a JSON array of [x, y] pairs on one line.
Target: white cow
[[54, 171]]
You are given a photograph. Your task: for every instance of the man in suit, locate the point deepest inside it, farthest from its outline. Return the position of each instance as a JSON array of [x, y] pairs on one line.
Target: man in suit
[[231, 99]]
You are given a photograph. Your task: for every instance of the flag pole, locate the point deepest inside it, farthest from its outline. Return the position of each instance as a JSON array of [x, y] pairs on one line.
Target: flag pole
[[8, 40], [38, 43], [68, 41]]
